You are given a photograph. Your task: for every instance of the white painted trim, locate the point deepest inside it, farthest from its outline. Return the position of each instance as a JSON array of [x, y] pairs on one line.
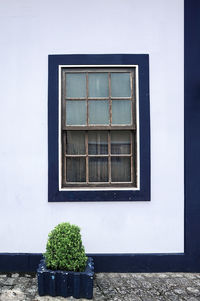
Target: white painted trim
[[59, 127], [100, 66], [97, 189], [138, 127]]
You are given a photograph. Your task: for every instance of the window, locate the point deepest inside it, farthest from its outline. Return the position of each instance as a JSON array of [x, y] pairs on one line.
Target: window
[[98, 128], [98, 121]]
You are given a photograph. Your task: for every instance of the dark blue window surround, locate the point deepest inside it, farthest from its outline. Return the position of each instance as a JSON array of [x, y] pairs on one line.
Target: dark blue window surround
[[54, 195]]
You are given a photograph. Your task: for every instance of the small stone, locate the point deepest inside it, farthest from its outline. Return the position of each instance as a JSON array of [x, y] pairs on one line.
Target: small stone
[[196, 282], [193, 290], [10, 281], [147, 298], [15, 275], [183, 281], [190, 276], [146, 284], [176, 275], [12, 295], [133, 298], [138, 276], [28, 276], [171, 295], [148, 275], [113, 275], [170, 283], [133, 283], [162, 276], [179, 291], [100, 275]]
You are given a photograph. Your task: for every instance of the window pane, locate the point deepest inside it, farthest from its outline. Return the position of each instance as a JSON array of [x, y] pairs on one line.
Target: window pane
[[97, 142], [120, 142], [98, 169], [121, 112], [75, 143], [98, 84], [76, 85], [76, 112], [98, 112], [120, 169], [120, 85], [76, 170]]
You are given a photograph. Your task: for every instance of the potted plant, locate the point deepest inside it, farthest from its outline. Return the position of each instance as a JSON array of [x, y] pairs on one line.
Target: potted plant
[[65, 270]]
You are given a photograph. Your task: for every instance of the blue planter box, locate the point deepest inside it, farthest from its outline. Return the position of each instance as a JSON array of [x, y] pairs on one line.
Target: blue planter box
[[65, 284]]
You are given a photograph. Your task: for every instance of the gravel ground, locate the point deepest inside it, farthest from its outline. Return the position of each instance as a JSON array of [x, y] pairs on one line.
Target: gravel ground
[[112, 287]]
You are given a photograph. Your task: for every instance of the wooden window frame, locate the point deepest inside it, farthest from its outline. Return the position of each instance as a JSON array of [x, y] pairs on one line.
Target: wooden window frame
[[83, 194], [95, 127]]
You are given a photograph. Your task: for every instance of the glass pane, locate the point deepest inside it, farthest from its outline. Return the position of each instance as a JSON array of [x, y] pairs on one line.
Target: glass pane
[[121, 112], [76, 85], [97, 142], [76, 112], [98, 169], [120, 169], [120, 142], [76, 170], [98, 112], [120, 85], [75, 143], [98, 84]]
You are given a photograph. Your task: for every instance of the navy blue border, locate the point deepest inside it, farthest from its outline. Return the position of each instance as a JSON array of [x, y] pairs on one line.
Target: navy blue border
[[189, 261], [116, 263], [192, 130], [142, 60]]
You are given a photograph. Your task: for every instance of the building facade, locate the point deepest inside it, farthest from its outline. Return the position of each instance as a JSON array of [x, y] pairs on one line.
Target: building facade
[[147, 227]]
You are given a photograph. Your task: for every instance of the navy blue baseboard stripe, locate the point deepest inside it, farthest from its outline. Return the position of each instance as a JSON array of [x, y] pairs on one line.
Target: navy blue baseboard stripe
[[145, 263], [123, 263], [19, 262]]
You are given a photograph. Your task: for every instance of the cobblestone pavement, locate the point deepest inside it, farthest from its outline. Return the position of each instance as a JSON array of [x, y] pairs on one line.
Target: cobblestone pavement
[[112, 287]]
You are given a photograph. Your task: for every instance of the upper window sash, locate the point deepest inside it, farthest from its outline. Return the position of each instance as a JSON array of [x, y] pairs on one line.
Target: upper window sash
[[82, 108]]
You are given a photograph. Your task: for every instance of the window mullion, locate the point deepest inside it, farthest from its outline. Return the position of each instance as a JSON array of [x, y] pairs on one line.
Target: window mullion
[[64, 178], [133, 100], [86, 133], [87, 98], [132, 171], [109, 158], [110, 101], [109, 140], [63, 102], [87, 160]]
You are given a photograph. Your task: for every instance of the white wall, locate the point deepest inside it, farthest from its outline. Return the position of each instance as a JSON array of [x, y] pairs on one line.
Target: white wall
[[29, 31]]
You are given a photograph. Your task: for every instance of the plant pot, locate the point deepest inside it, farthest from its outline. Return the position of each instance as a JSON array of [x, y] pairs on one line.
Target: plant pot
[[64, 283]]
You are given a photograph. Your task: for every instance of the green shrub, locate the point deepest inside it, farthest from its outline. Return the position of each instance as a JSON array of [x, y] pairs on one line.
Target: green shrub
[[64, 249]]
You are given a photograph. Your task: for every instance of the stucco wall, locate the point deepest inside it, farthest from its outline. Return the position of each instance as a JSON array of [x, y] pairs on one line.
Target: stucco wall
[[30, 30]]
